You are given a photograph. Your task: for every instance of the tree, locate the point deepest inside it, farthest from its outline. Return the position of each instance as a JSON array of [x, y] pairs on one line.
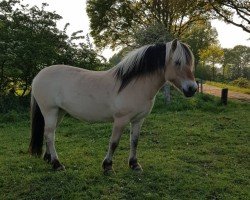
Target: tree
[[114, 22], [30, 41], [204, 71], [237, 62], [150, 34], [199, 37], [146, 35], [212, 55], [227, 9]]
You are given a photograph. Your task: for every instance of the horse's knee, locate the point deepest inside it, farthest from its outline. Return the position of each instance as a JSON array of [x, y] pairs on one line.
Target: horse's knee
[[49, 134]]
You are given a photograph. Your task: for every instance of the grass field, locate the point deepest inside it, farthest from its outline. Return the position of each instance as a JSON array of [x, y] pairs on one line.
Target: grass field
[[191, 149], [230, 87]]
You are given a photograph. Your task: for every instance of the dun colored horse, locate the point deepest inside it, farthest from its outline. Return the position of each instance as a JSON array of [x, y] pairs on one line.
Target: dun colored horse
[[124, 94]]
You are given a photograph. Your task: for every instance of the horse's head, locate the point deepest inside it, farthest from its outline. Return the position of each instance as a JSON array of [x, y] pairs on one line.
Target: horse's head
[[179, 65]]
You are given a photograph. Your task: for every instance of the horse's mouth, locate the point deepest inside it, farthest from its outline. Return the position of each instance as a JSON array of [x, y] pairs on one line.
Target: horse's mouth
[[189, 93]]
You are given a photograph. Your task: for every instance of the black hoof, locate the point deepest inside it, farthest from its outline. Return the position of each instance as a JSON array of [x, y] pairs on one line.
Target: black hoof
[[107, 166], [134, 165], [57, 166], [47, 158]]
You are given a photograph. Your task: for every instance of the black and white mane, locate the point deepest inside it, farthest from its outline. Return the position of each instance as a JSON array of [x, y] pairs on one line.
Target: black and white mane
[[150, 59]]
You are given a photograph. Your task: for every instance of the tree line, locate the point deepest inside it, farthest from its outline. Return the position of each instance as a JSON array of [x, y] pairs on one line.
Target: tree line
[[234, 63]]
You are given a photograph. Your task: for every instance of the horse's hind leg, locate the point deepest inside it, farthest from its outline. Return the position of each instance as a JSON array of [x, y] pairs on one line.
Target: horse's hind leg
[[50, 119], [47, 156], [134, 136]]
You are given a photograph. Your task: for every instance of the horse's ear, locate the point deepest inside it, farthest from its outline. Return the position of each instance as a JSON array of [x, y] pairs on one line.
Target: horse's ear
[[174, 45]]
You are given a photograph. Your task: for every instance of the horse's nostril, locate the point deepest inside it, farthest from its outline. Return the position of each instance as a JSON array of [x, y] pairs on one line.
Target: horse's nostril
[[191, 89]]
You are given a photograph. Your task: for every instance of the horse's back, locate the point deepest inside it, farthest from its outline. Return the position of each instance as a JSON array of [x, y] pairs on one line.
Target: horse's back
[[82, 93], [58, 72]]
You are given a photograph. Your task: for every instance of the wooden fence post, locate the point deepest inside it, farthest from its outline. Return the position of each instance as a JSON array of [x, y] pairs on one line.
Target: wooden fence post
[[201, 86], [224, 93], [198, 84], [166, 92]]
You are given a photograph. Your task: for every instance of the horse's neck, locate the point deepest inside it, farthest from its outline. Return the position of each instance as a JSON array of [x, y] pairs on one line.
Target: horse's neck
[[149, 85], [152, 84]]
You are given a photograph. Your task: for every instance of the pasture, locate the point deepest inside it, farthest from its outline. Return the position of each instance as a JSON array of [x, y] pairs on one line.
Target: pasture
[[191, 149]]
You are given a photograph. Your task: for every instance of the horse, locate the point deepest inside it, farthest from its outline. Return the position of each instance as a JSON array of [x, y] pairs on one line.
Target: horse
[[123, 94]]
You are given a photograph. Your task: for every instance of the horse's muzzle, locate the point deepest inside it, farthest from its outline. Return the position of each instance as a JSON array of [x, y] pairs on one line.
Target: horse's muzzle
[[190, 91]]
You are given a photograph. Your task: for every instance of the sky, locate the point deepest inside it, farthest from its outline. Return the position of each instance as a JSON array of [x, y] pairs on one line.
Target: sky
[[74, 12]]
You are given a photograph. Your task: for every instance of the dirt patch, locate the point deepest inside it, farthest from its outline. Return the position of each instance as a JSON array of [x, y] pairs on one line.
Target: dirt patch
[[216, 91]]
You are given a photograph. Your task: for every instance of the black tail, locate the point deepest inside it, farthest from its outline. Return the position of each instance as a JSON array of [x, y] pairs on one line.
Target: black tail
[[37, 129]]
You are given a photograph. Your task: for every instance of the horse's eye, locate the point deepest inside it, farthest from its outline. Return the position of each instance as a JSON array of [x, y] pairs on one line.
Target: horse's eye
[[178, 62]]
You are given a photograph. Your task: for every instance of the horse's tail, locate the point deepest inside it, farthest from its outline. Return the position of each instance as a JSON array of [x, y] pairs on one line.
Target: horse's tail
[[37, 129]]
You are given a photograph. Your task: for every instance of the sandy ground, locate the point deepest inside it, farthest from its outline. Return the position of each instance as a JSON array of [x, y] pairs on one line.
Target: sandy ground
[[231, 94]]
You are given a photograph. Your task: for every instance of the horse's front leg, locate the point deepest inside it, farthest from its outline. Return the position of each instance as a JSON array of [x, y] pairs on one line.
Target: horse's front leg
[[118, 127], [134, 136]]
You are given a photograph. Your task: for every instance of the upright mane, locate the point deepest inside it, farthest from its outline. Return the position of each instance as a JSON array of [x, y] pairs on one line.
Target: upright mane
[[182, 55], [150, 59]]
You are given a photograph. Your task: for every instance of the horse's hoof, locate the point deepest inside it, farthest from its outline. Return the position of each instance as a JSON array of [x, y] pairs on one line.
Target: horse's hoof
[[60, 168], [135, 166], [47, 158], [57, 166], [107, 167]]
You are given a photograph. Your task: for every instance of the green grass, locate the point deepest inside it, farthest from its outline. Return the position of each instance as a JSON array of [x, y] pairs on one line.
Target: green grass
[[191, 149], [230, 87]]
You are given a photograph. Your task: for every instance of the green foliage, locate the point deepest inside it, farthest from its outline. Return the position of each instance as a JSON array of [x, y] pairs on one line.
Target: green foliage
[[199, 37], [241, 82], [185, 154], [212, 55], [30, 41], [147, 35], [236, 62], [115, 22], [12, 102], [15, 116], [204, 72], [117, 57], [232, 11], [152, 34]]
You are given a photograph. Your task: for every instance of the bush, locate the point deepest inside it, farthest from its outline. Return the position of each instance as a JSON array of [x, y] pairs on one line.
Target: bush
[[11, 102], [241, 82]]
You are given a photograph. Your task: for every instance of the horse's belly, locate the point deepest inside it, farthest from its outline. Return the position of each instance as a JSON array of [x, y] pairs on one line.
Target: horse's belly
[[91, 117], [92, 112]]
